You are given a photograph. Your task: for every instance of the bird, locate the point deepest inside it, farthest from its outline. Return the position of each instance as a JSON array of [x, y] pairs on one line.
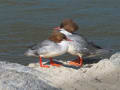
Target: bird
[[79, 46], [55, 45]]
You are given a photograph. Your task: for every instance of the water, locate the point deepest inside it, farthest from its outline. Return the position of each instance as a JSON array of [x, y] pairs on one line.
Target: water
[[25, 22]]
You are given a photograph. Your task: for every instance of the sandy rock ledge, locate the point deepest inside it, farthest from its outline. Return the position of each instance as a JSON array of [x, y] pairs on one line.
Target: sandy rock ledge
[[18, 77], [104, 75]]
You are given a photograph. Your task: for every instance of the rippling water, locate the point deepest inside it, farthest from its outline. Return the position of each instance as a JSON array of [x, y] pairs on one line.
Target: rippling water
[[25, 22]]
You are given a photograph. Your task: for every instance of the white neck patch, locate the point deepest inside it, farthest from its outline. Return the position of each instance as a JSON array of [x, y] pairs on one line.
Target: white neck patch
[[62, 30]]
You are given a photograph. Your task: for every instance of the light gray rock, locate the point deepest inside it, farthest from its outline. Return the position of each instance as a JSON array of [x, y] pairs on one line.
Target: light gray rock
[[103, 75], [115, 59], [18, 77]]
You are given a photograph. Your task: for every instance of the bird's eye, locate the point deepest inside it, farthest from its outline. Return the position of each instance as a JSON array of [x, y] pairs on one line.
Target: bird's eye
[[65, 37]]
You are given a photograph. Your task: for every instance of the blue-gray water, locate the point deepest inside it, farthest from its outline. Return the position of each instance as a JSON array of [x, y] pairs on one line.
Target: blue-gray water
[[25, 22]]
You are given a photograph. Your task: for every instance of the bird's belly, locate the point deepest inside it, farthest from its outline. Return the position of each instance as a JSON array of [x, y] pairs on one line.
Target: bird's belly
[[72, 50], [52, 54]]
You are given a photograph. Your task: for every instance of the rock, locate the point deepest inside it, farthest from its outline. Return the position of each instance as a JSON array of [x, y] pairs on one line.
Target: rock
[[18, 77], [103, 75], [115, 59]]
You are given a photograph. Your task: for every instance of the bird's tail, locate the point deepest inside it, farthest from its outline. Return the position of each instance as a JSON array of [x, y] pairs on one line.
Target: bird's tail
[[30, 52]]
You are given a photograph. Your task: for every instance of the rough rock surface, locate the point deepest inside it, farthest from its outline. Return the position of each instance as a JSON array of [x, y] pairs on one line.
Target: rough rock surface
[[104, 75], [18, 77], [115, 59]]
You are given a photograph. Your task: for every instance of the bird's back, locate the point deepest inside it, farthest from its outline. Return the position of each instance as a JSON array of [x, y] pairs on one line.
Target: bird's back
[[40, 48], [77, 45], [47, 49], [82, 46]]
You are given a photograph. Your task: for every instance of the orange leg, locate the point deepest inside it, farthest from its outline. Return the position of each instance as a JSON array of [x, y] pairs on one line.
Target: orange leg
[[53, 63], [81, 61], [78, 62], [41, 65]]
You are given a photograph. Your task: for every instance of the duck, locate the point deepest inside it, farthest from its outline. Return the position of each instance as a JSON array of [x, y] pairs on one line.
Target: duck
[[55, 45], [79, 46]]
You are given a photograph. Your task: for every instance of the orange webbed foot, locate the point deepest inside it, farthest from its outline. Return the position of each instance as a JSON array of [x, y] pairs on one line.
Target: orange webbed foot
[[55, 64], [45, 66], [77, 62]]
